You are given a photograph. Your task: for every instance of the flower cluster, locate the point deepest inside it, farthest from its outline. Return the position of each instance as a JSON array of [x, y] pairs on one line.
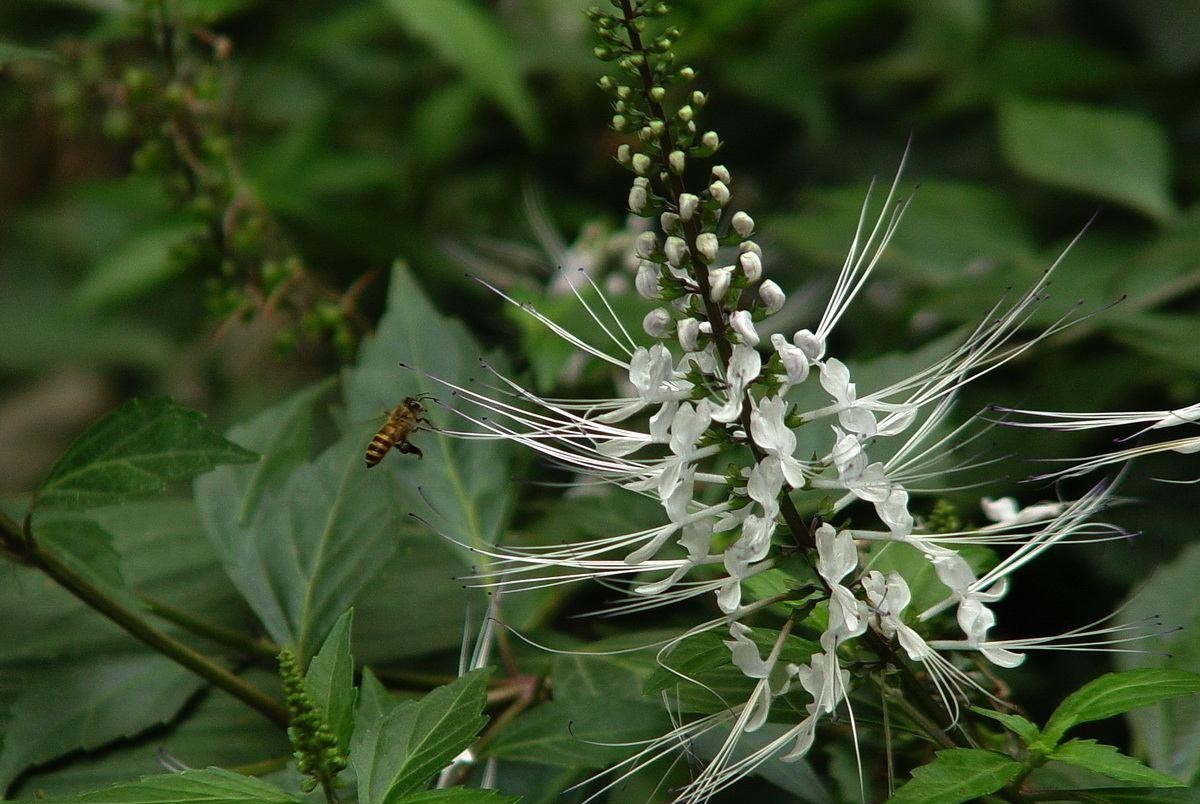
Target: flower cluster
[[709, 388]]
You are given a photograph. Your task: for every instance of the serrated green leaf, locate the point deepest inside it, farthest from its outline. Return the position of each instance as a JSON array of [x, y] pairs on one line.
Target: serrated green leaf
[[459, 795], [1117, 155], [1117, 693], [163, 554], [210, 785], [374, 704], [134, 268], [330, 680], [397, 748], [467, 483], [134, 452], [956, 775], [83, 546], [1107, 760], [299, 540], [1028, 732], [87, 704], [467, 37], [308, 549]]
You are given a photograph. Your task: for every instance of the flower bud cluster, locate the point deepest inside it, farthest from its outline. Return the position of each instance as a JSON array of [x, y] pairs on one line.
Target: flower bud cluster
[[315, 747]]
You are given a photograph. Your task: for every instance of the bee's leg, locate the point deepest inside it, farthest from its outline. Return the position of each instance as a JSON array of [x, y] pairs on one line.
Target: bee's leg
[[425, 421], [409, 449]]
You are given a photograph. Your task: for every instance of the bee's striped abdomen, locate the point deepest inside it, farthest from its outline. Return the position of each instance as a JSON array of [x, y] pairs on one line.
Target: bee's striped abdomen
[[379, 447]]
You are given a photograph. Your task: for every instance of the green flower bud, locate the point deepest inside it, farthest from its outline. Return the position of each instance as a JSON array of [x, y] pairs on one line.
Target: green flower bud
[[657, 94]]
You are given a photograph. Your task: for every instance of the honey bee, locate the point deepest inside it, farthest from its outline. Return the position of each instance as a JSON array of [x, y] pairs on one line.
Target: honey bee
[[401, 422]]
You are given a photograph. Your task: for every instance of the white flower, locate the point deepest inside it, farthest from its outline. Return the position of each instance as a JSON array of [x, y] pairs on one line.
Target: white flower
[[743, 224], [812, 346], [719, 280], [721, 173], [677, 161], [1005, 511], [889, 596], [646, 280], [835, 379], [751, 265], [745, 653], [688, 204], [771, 296], [645, 244], [719, 192], [642, 164], [772, 435], [675, 249], [688, 331], [745, 364], [795, 363], [637, 198], [742, 323], [837, 557], [657, 323], [707, 245]]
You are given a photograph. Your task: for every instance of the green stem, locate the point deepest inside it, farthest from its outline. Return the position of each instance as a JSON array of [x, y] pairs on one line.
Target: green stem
[[230, 637], [27, 551]]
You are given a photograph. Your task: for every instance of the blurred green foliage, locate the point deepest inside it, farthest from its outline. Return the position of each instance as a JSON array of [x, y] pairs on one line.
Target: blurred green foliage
[[461, 136]]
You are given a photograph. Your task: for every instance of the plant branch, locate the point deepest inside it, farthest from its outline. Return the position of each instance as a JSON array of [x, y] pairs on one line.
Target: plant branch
[[259, 647], [22, 546]]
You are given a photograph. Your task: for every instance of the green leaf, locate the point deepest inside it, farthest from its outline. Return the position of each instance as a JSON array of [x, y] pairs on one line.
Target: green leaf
[[134, 452], [87, 704], [163, 555], [135, 267], [1116, 693], [1127, 795], [330, 680], [212, 784], [1028, 732], [299, 540], [83, 546], [467, 483], [573, 734], [957, 774], [1106, 759], [468, 38], [375, 703], [397, 748], [1116, 155], [458, 795], [220, 730], [1168, 733]]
